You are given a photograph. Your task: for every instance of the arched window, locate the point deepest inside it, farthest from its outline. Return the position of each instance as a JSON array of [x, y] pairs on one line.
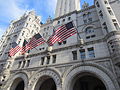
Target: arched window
[[90, 32]]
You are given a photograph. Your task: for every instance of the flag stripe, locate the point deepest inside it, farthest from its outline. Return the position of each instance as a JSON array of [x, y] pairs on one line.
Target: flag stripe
[[13, 51], [62, 33], [36, 42]]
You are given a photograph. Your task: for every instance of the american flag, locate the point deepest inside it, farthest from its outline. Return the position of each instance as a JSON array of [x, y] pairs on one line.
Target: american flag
[[62, 33], [25, 47], [36, 41], [15, 49]]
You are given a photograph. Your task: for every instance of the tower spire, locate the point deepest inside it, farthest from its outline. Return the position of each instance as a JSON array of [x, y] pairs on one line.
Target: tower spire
[[66, 6]]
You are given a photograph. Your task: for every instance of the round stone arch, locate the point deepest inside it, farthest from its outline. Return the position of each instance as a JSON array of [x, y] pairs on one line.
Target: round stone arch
[[18, 75], [49, 72], [98, 71], [91, 25]]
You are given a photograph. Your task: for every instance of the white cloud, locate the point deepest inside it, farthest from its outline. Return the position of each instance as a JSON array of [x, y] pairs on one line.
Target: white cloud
[[10, 9]]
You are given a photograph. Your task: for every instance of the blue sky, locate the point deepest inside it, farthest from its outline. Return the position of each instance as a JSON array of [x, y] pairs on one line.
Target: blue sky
[[13, 9]]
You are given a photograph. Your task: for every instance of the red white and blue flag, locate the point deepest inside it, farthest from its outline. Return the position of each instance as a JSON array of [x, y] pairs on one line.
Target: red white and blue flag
[[36, 41], [62, 33], [15, 49], [25, 47]]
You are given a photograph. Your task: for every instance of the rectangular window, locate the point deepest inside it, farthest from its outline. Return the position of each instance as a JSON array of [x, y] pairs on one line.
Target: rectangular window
[[92, 36], [23, 64], [82, 54], [85, 21], [105, 27], [105, 2], [88, 37], [116, 26], [90, 19], [100, 14], [110, 11], [48, 60], [97, 4], [42, 60], [91, 52], [74, 55], [19, 64], [28, 63], [54, 59]]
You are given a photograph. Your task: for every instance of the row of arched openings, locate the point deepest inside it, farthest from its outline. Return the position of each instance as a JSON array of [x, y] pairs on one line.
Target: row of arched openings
[[86, 82]]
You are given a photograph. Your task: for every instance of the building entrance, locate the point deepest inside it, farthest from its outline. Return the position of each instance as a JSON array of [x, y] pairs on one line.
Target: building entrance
[[45, 83], [88, 83]]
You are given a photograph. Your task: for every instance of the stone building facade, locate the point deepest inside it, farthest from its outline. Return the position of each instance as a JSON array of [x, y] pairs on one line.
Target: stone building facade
[[70, 65]]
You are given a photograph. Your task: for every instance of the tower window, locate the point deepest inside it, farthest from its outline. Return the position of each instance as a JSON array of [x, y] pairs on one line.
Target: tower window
[[116, 26], [97, 4], [74, 55], [100, 14], [82, 54], [110, 11], [91, 52], [105, 2], [105, 27]]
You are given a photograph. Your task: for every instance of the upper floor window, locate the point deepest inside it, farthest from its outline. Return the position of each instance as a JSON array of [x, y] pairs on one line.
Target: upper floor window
[[105, 27], [23, 33], [82, 54], [105, 2], [54, 59], [42, 60], [85, 21], [115, 24], [58, 22], [26, 24], [110, 11], [28, 63], [69, 18], [90, 19], [48, 60], [91, 52], [89, 30], [29, 19], [63, 20], [74, 55], [97, 4], [90, 33], [100, 14]]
